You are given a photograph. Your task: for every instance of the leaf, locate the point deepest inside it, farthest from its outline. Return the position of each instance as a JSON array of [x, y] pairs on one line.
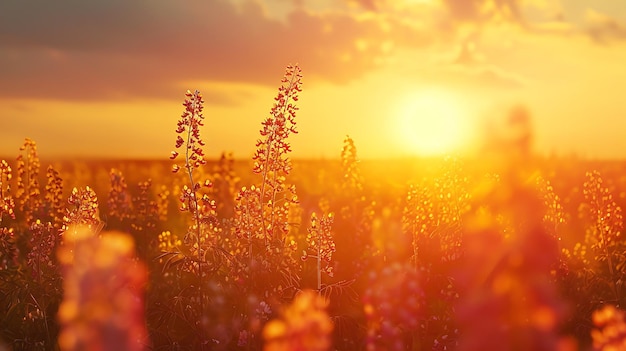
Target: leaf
[[174, 259]]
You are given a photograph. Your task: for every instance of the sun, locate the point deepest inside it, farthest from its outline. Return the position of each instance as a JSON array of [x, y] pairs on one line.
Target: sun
[[430, 123]]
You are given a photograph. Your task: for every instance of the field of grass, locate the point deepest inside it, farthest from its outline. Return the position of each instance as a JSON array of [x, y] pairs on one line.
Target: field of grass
[[506, 251]]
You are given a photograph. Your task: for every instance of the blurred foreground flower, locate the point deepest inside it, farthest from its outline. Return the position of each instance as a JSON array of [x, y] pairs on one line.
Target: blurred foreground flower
[[304, 326], [394, 307], [503, 279], [610, 332], [102, 308]]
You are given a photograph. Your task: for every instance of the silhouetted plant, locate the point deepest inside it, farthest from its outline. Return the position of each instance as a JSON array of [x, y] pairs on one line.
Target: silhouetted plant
[[605, 221], [352, 182], [262, 211], [321, 246], [28, 194], [199, 239], [355, 243], [225, 185], [53, 198], [432, 219], [8, 250], [554, 215], [144, 219], [432, 216], [199, 206], [7, 202], [119, 204], [82, 210], [30, 281]]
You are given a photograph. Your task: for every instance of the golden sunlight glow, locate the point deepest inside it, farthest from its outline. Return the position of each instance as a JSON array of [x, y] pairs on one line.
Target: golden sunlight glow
[[404, 5], [430, 122]]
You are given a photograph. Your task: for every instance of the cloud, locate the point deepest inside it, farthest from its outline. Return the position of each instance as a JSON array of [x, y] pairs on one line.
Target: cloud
[[485, 76], [484, 10], [497, 78], [470, 67], [604, 29], [370, 5], [467, 55], [459, 11], [121, 50], [106, 49]]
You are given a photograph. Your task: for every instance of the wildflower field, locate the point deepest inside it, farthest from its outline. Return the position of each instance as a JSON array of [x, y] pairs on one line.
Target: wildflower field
[[506, 251]]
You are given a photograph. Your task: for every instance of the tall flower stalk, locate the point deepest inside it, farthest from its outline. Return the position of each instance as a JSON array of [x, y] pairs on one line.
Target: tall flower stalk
[[352, 181], [262, 211], [190, 145], [7, 203], [82, 210], [54, 197], [606, 223], [189, 140], [271, 159], [321, 245], [28, 194]]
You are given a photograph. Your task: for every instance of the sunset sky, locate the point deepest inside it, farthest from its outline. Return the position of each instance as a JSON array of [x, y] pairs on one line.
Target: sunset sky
[[106, 78]]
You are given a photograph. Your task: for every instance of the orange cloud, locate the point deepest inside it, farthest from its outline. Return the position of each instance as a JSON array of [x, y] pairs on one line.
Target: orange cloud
[[482, 10], [125, 49], [604, 29], [463, 10]]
